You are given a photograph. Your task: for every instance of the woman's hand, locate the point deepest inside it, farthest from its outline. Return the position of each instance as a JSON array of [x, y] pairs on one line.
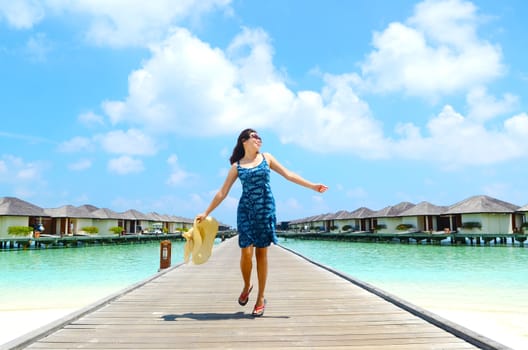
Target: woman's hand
[[200, 217], [320, 188]]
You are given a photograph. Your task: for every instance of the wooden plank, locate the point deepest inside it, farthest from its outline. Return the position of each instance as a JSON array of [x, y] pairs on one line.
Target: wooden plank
[[195, 307]]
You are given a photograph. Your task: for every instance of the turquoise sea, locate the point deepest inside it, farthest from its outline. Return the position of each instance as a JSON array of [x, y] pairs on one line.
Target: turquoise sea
[[481, 287]]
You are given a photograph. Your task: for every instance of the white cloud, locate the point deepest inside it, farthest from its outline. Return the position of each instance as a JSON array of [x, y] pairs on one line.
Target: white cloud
[[437, 52], [27, 174], [178, 176], [184, 83], [446, 21], [80, 165], [131, 142], [517, 126], [90, 119], [125, 165], [137, 22], [483, 106], [15, 169], [454, 140], [38, 47], [335, 120], [21, 14], [76, 144], [24, 178], [188, 85], [115, 23]]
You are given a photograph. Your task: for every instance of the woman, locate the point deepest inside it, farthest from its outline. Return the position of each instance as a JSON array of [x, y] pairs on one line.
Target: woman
[[256, 209]]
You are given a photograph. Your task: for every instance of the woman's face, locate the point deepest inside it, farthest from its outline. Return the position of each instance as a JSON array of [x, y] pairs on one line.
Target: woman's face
[[253, 140]]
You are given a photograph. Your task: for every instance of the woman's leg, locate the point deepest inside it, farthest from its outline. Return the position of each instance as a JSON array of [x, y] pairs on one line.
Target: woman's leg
[[262, 273], [246, 265]]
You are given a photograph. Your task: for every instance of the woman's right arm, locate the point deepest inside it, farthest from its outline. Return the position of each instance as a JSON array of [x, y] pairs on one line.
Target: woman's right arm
[[222, 192]]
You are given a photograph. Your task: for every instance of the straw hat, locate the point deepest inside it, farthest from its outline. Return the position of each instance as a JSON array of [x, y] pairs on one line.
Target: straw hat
[[200, 239]]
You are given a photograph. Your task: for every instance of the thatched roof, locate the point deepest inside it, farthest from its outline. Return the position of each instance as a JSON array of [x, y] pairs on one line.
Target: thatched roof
[[133, 214], [157, 217], [481, 204], [424, 208], [342, 214], [305, 219], [68, 211], [11, 206], [88, 207], [524, 208], [105, 213], [181, 219], [361, 213], [392, 210]]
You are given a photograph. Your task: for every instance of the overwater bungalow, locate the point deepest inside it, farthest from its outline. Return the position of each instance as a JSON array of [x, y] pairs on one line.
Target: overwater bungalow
[[181, 223], [484, 214], [523, 227], [16, 212], [67, 220], [105, 219], [357, 220], [304, 224], [135, 222], [387, 219], [424, 217]]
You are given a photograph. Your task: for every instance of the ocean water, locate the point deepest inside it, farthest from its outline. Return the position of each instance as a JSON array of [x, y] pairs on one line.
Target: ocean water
[[499, 268], [480, 287], [67, 277]]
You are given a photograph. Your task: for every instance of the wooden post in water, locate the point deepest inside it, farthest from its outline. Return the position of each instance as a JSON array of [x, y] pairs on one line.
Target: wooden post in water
[[165, 254]]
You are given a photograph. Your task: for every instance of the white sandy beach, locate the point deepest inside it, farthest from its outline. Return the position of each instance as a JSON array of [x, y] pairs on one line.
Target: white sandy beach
[[17, 323], [506, 328], [503, 320], [26, 312]]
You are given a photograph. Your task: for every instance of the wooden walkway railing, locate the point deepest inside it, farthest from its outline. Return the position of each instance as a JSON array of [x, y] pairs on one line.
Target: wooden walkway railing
[[195, 307]]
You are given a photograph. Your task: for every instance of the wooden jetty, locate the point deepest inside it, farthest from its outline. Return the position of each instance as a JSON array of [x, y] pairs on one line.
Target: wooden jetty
[[309, 307], [72, 241], [454, 238]]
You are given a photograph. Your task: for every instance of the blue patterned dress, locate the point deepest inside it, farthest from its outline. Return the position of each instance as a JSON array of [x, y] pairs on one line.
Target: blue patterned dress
[[256, 208]]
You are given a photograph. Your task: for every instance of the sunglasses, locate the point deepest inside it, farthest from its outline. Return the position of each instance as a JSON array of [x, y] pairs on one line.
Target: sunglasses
[[255, 136]]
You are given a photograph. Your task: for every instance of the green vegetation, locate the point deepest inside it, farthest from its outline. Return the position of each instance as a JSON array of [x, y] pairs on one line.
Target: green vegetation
[[347, 228], [116, 230], [404, 227], [472, 224], [381, 226], [19, 230], [90, 229]]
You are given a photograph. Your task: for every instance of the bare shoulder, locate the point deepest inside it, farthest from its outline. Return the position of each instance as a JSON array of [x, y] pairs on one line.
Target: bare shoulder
[[268, 155], [233, 170], [273, 162]]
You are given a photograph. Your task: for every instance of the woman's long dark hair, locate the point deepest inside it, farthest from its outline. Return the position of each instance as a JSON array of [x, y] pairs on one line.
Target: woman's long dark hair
[[238, 151]]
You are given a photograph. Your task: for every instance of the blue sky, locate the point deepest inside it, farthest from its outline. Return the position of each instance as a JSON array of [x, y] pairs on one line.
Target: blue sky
[[137, 104]]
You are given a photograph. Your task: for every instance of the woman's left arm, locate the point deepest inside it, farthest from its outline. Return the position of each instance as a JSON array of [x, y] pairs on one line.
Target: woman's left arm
[[293, 177]]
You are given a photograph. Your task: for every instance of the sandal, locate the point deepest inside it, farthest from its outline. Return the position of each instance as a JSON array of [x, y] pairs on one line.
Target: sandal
[[259, 310], [244, 297]]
